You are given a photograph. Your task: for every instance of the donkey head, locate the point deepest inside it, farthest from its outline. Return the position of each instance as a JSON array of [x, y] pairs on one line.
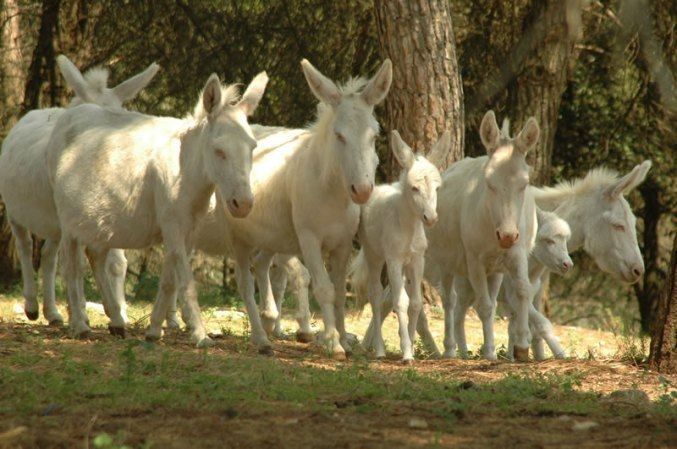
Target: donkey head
[[420, 178], [93, 86], [227, 141], [353, 128], [610, 227], [506, 174], [551, 242]]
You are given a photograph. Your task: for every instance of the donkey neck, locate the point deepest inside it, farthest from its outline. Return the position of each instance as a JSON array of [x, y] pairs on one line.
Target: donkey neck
[[574, 210], [323, 158], [195, 187]]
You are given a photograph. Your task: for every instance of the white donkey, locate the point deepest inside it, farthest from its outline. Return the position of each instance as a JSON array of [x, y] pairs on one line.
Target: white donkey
[[487, 227], [128, 180], [306, 202], [392, 234], [28, 197], [550, 253]]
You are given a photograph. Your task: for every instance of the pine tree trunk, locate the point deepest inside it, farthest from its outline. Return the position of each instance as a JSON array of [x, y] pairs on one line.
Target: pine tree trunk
[[12, 61], [555, 26], [663, 356], [426, 97]]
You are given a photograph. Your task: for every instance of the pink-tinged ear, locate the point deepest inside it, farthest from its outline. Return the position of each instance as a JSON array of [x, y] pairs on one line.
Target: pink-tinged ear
[[322, 87], [74, 78], [438, 153], [377, 88], [528, 137], [131, 87], [628, 182], [403, 153], [211, 95], [253, 94], [489, 132]]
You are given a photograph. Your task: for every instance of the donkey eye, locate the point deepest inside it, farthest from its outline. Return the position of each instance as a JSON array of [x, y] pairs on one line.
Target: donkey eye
[[221, 154], [550, 241], [619, 228], [340, 138]]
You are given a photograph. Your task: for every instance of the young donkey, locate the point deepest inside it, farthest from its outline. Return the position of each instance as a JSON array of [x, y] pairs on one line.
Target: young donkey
[[487, 227], [28, 196], [392, 233], [128, 180], [306, 202]]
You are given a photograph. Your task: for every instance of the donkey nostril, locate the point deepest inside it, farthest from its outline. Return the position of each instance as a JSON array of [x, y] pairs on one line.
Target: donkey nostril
[[637, 272], [425, 217], [517, 236], [353, 189], [235, 203]]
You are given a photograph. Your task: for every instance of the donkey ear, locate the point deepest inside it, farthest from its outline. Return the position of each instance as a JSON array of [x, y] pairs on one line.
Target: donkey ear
[[402, 151], [322, 87], [253, 94], [489, 132], [528, 137], [630, 181], [73, 77], [131, 87], [377, 88], [438, 153], [211, 95]]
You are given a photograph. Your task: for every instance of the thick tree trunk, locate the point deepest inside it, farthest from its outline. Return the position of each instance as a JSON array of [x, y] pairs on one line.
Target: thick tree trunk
[[426, 97], [12, 61], [43, 60], [555, 26], [663, 356]]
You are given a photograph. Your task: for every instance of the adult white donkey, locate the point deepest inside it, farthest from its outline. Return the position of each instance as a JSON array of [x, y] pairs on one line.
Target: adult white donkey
[[602, 223], [487, 225], [128, 180], [28, 197], [306, 202]]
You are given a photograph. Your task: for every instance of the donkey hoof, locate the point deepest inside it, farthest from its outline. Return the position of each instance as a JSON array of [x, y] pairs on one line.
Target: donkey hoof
[[305, 337], [116, 331], [84, 334], [56, 323], [32, 315], [521, 354], [267, 351], [339, 356], [407, 362], [205, 342], [152, 338]]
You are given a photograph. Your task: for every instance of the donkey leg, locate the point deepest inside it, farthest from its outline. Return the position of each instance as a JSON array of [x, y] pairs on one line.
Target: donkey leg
[[50, 251], [116, 269], [400, 301], [72, 270], [278, 281], [449, 302], [300, 279], [518, 270], [97, 260], [483, 304], [268, 308], [414, 274], [464, 299], [166, 290], [338, 270], [245, 284], [423, 330], [323, 289], [24, 246]]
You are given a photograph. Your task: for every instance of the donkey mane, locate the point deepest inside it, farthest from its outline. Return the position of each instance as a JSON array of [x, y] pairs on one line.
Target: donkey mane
[[594, 180], [230, 94], [97, 78]]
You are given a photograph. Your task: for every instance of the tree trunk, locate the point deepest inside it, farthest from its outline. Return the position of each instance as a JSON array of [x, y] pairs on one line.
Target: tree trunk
[[663, 356], [648, 291], [426, 97], [12, 61], [43, 60], [537, 90]]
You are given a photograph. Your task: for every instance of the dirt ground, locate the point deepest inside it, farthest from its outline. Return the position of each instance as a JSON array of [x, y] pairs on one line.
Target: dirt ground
[[56, 392]]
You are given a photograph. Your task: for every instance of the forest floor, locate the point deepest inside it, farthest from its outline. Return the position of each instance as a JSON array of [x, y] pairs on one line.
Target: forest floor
[[56, 392]]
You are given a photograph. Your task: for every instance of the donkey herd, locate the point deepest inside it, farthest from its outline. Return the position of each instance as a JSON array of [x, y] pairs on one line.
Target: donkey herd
[[94, 179]]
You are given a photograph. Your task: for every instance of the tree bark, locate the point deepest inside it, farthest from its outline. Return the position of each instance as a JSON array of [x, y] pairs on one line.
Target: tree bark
[[12, 61], [426, 97], [43, 60], [556, 26], [663, 355]]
